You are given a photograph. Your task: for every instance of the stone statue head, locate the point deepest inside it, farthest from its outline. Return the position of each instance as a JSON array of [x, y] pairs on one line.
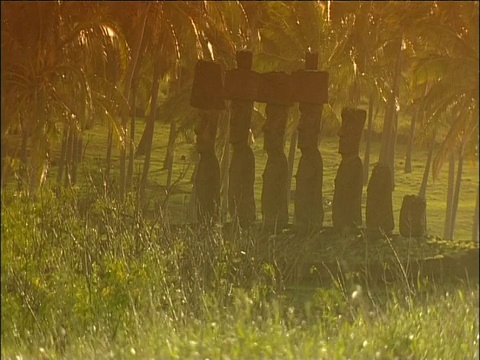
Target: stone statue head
[[274, 128], [350, 132]]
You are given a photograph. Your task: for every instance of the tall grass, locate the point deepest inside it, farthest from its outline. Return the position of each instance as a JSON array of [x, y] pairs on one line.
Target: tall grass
[[84, 276]]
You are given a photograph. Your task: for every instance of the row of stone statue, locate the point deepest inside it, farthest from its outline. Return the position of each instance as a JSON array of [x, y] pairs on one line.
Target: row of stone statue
[[279, 90]]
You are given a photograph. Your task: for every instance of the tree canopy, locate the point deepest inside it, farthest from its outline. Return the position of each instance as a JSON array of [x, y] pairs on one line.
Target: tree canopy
[[72, 63]]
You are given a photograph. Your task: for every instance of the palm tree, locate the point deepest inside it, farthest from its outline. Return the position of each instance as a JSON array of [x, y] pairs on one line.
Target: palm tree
[[402, 21], [366, 76], [451, 62], [47, 74], [137, 14]]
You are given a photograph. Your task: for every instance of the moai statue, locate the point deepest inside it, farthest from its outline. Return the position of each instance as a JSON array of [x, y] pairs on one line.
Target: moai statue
[[413, 216], [310, 89], [347, 197], [275, 90], [207, 97], [379, 212], [241, 87]]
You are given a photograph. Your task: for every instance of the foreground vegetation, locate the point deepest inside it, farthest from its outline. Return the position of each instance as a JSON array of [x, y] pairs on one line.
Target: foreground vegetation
[[102, 281]]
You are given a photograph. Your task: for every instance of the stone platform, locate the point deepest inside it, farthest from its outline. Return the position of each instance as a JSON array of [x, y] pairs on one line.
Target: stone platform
[[325, 256]]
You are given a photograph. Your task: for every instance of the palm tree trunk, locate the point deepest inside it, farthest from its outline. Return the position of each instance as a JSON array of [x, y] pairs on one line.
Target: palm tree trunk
[[225, 166], [291, 160], [131, 155], [149, 128], [24, 155], [68, 158], [191, 211], [411, 135], [475, 222], [172, 135], [168, 161], [368, 141], [109, 151], [389, 130], [63, 150], [456, 194], [5, 171], [451, 183], [79, 150], [393, 146], [140, 149], [128, 84], [423, 187], [75, 144], [23, 146]]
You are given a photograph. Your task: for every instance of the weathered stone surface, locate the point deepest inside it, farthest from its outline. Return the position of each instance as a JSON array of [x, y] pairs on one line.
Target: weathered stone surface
[[309, 178], [207, 179], [244, 59], [207, 183], [275, 176], [379, 210], [240, 120], [274, 192], [311, 61], [347, 196], [308, 194], [350, 132], [241, 84], [241, 201], [207, 88], [241, 194], [310, 86], [274, 127], [275, 87], [309, 125], [413, 216]]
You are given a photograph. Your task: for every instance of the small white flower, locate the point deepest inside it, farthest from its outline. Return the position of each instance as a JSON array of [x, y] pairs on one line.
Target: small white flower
[[357, 292]]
